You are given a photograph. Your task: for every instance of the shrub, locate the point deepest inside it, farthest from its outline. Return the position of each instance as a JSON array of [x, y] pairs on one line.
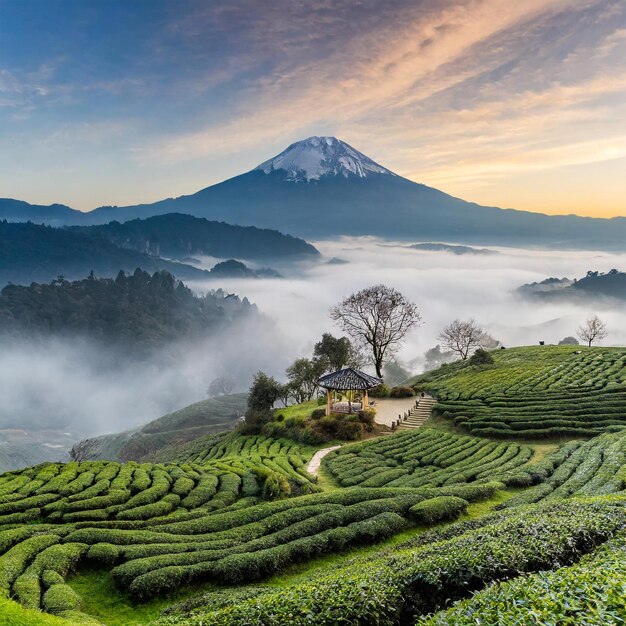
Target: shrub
[[349, 430], [402, 392], [481, 357], [104, 553], [367, 417], [317, 413], [438, 509], [382, 391], [49, 577], [60, 598]]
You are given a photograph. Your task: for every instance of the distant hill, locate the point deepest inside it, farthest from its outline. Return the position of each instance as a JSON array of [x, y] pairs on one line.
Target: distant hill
[[237, 269], [53, 214], [594, 285], [454, 249], [179, 236], [196, 420], [34, 253], [323, 187], [138, 312]]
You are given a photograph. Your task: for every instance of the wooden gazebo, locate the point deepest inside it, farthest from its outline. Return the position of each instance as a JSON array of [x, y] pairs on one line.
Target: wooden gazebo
[[348, 379]]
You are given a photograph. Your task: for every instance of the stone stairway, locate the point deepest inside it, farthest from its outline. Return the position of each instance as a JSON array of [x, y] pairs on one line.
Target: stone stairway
[[419, 414]]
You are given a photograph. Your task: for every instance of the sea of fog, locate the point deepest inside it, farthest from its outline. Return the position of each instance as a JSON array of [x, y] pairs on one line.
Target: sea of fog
[[445, 286], [70, 386]]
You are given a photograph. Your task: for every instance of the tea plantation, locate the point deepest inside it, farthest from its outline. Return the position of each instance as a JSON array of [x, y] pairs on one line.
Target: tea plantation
[[448, 524], [543, 391]]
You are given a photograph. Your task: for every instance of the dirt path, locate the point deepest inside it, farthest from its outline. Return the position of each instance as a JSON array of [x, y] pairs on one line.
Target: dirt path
[[314, 463]]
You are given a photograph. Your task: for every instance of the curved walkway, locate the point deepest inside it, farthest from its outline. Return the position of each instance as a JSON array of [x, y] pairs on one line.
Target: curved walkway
[[314, 463]]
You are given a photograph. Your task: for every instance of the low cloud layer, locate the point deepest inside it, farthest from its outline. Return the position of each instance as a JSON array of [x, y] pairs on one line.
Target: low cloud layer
[[443, 285]]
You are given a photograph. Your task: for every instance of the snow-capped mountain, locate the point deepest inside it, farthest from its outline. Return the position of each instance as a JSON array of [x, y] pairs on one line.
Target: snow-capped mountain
[[315, 157]]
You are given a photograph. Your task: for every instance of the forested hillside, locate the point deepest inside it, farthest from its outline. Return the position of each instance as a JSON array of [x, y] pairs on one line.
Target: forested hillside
[[137, 311], [32, 253], [177, 236], [593, 285]]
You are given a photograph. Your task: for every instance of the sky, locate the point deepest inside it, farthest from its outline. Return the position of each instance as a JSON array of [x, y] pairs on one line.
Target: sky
[[511, 104]]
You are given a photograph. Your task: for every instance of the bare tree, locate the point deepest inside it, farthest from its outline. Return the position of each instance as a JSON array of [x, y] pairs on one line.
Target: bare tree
[[461, 336], [593, 329], [378, 317], [84, 450]]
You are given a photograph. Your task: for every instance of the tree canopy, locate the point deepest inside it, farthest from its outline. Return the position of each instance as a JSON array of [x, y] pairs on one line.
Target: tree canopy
[[137, 311]]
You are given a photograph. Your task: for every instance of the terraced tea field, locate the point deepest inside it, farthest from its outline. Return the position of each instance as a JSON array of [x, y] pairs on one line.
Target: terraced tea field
[[224, 511], [402, 584], [590, 468], [543, 391], [220, 514], [424, 458]]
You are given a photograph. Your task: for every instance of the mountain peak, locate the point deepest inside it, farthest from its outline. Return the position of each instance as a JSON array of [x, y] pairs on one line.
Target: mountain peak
[[315, 157]]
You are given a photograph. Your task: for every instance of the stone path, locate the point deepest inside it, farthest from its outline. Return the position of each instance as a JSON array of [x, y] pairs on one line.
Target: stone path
[[314, 463]]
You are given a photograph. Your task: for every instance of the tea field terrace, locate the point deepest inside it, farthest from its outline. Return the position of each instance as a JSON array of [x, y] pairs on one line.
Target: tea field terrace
[[534, 392]]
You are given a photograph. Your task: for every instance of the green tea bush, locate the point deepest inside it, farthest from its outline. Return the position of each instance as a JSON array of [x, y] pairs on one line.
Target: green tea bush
[[397, 586], [438, 509], [590, 592], [60, 598], [14, 561], [104, 553]]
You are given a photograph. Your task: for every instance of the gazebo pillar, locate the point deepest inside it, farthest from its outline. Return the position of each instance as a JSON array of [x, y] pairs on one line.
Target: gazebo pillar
[[328, 401], [366, 400]]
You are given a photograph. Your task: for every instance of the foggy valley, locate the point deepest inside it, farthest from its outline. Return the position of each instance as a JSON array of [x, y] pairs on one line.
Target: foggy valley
[[83, 389]]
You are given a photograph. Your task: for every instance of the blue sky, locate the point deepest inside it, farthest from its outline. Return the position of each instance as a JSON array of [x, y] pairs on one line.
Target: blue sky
[[515, 104]]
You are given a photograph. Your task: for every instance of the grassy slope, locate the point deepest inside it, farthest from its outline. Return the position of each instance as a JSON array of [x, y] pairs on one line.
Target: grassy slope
[[193, 421]]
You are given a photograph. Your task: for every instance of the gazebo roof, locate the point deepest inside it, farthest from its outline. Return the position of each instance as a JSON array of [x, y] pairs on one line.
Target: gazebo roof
[[349, 379]]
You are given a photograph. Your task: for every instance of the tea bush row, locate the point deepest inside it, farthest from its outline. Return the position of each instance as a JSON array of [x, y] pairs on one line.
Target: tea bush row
[[400, 584], [591, 592], [424, 457]]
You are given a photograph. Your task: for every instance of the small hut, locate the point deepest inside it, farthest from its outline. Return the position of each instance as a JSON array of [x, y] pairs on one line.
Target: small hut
[[348, 379]]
